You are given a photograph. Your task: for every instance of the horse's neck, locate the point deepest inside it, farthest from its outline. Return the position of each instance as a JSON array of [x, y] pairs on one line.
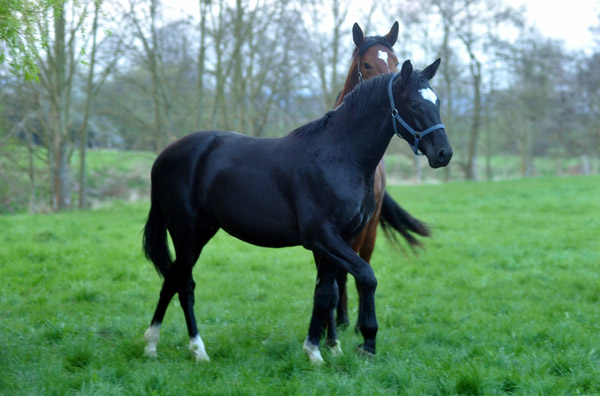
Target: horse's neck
[[351, 82], [363, 134]]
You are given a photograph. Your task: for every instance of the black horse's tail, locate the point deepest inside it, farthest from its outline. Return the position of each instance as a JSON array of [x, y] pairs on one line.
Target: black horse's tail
[[393, 217], [155, 241]]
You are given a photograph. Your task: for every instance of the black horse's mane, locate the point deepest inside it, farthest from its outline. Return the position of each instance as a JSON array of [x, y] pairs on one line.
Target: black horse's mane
[[312, 127], [367, 94], [363, 97]]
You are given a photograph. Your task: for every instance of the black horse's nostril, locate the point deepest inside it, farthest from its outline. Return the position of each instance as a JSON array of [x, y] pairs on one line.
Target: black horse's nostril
[[444, 156]]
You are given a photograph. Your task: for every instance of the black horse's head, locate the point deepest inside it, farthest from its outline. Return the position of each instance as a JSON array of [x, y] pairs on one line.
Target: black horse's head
[[416, 113]]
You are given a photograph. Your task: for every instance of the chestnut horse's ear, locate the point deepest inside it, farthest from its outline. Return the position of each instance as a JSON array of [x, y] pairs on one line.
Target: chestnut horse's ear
[[406, 71], [392, 36], [357, 35], [430, 70]]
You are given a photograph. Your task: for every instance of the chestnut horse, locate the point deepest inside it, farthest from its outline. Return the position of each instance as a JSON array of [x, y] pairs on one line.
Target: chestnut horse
[[373, 56], [312, 187]]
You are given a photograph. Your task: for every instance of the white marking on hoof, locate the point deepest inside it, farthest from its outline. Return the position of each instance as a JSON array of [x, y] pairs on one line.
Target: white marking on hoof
[[151, 337], [336, 349], [313, 352], [197, 349]]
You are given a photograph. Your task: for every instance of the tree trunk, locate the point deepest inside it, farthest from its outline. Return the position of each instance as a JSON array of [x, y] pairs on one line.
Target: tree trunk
[[83, 136], [448, 79], [30, 169], [471, 165], [59, 111], [201, 65], [62, 177]]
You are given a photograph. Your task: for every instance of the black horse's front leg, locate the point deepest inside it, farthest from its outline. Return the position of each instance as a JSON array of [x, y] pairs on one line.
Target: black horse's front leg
[[342, 307], [323, 315], [335, 250]]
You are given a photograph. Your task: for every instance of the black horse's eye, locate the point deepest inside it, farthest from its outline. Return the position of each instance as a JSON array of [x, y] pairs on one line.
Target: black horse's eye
[[366, 65], [415, 107]]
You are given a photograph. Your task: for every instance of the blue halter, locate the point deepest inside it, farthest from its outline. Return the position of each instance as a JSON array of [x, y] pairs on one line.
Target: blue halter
[[396, 117]]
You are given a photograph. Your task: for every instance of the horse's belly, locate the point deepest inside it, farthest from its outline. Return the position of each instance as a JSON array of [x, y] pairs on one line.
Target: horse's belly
[[259, 236], [264, 219]]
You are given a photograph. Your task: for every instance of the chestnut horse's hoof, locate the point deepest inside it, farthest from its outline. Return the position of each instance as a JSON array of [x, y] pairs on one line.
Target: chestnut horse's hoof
[[364, 351]]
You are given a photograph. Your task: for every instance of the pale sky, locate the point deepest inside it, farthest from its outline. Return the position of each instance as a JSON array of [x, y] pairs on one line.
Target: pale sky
[[568, 20]]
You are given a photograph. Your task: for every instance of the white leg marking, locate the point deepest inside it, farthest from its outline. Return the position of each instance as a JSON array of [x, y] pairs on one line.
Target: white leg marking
[[151, 337], [336, 349], [429, 95], [384, 56], [313, 352], [197, 349]]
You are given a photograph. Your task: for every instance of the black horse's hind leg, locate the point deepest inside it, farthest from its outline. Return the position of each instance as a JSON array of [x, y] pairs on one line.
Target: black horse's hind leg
[[179, 280], [187, 251], [152, 334], [323, 315]]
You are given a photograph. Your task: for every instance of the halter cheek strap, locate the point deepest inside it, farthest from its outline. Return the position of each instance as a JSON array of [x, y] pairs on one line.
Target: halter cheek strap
[[417, 135]]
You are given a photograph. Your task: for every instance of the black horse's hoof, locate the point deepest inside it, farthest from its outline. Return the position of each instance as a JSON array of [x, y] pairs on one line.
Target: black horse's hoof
[[364, 351]]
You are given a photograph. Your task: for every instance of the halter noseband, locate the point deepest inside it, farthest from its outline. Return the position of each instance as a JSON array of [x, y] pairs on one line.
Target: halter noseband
[[415, 134]]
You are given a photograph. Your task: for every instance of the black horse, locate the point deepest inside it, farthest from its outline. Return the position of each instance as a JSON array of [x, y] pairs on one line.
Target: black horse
[[313, 187]]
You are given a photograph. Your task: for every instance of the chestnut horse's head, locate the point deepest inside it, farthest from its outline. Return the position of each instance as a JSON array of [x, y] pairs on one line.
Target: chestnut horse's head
[[374, 55]]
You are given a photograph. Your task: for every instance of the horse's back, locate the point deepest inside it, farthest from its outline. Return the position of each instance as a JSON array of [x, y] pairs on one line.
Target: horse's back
[[237, 182]]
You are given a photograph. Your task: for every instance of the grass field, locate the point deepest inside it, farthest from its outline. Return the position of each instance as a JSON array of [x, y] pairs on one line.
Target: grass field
[[505, 299]]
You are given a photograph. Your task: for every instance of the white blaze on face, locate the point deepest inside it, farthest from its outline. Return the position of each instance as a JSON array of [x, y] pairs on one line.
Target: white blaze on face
[[429, 95], [384, 57]]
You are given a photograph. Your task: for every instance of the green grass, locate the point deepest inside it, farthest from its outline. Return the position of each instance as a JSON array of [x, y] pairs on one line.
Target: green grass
[[504, 300]]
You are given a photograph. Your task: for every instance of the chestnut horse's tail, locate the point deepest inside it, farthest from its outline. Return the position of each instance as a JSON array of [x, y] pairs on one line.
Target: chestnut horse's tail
[[155, 241], [393, 217]]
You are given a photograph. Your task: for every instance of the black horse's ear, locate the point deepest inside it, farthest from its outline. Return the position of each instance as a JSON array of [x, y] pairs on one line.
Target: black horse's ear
[[430, 70], [406, 71], [392, 36], [357, 35]]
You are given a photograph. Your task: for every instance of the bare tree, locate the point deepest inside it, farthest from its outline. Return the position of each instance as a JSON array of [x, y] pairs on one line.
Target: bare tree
[[142, 18], [327, 44], [469, 30], [62, 25]]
